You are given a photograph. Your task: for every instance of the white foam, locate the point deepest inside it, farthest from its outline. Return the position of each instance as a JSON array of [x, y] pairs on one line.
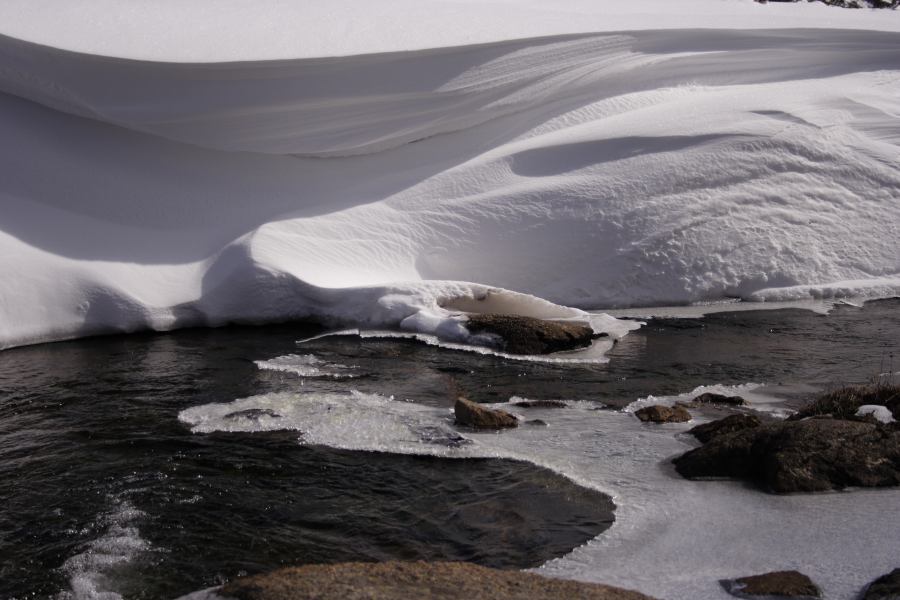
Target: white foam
[[119, 544], [672, 538]]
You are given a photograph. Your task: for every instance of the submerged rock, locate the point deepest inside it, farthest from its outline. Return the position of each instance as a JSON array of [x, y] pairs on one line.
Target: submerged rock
[[254, 414], [471, 414], [541, 404], [413, 581], [886, 587], [801, 456], [663, 414], [527, 335], [719, 399], [778, 584], [730, 424]]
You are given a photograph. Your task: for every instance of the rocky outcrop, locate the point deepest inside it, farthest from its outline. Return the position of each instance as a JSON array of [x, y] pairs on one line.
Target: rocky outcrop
[[778, 584], [413, 581], [718, 400], [730, 424], [801, 456], [663, 414], [527, 335], [886, 587], [471, 414]]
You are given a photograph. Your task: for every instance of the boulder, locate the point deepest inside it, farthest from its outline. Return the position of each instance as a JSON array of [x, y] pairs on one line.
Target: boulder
[[778, 584], [471, 414], [844, 403], [801, 456], [729, 424], [413, 581], [886, 587], [719, 399], [541, 404], [663, 414], [527, 335]]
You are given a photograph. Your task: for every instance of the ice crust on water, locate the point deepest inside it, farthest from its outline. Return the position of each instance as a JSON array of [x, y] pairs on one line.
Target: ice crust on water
[[666, 154], [759, 397], [306, 365], [672, 538]]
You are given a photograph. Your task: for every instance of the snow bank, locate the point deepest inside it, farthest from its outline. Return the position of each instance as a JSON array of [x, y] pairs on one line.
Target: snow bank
[[651, 163]]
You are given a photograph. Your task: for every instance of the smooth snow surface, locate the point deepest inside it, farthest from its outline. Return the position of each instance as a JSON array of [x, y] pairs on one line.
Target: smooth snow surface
[[672, 538], [688, 151]]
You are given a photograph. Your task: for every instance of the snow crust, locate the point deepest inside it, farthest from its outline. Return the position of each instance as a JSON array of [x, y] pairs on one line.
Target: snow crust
[[672, 538], [162, 169]]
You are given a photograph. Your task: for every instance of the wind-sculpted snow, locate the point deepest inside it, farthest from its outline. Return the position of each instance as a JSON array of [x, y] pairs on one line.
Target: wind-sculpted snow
[[626, 168]]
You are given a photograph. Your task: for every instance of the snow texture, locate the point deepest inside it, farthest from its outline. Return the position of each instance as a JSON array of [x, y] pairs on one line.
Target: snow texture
[[168, 164]]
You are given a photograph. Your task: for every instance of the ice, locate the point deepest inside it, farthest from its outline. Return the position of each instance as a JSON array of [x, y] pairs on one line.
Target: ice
[[306, 365], [672, 538]]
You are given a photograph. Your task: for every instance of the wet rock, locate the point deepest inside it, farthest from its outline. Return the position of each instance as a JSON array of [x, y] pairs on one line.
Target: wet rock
[[527, 335], [719, 399], [254, 414], [801, 456], [413, 580], [778, 584], [536, 423], [729, 424], [663, 414], [470, 414], [886, 587], [541, 404]]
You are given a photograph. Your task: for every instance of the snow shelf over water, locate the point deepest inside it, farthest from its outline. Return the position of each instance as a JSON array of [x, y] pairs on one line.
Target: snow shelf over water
[[684, 152]]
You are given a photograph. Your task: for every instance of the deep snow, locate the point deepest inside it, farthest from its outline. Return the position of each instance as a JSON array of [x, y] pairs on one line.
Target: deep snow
[[683, 153]]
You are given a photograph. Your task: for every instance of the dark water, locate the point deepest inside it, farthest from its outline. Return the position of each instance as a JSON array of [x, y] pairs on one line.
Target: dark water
[[94, 464]]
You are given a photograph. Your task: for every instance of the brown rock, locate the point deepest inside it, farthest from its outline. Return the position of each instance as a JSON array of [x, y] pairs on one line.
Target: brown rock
[[786, 584], [414, 581], [720, 399], [541, 404], [801, 456], [729, 424], [527, 335], [470, 414], [886, 587], [663, 414]]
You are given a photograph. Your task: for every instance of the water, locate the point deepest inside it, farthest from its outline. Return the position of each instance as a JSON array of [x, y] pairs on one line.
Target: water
[[103, 489]]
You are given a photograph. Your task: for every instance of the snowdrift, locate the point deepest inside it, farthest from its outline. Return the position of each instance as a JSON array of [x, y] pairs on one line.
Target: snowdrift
[[662, 164]]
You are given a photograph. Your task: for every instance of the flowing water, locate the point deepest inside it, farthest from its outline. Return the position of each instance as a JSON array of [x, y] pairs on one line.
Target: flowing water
[[106, 492]]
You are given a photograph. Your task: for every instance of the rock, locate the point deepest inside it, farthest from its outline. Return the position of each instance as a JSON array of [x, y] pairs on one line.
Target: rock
[[527, 335], [470, 414], [254, 414], [721, 399], [536, 423], [886, 587], [413, 580], [541, 404], [779, 584], [801, 456], [729, 424], [663, 414]]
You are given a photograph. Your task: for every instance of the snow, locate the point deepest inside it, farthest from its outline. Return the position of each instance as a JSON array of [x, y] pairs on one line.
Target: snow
[[672, 538], [162, 169], [880, 413]]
